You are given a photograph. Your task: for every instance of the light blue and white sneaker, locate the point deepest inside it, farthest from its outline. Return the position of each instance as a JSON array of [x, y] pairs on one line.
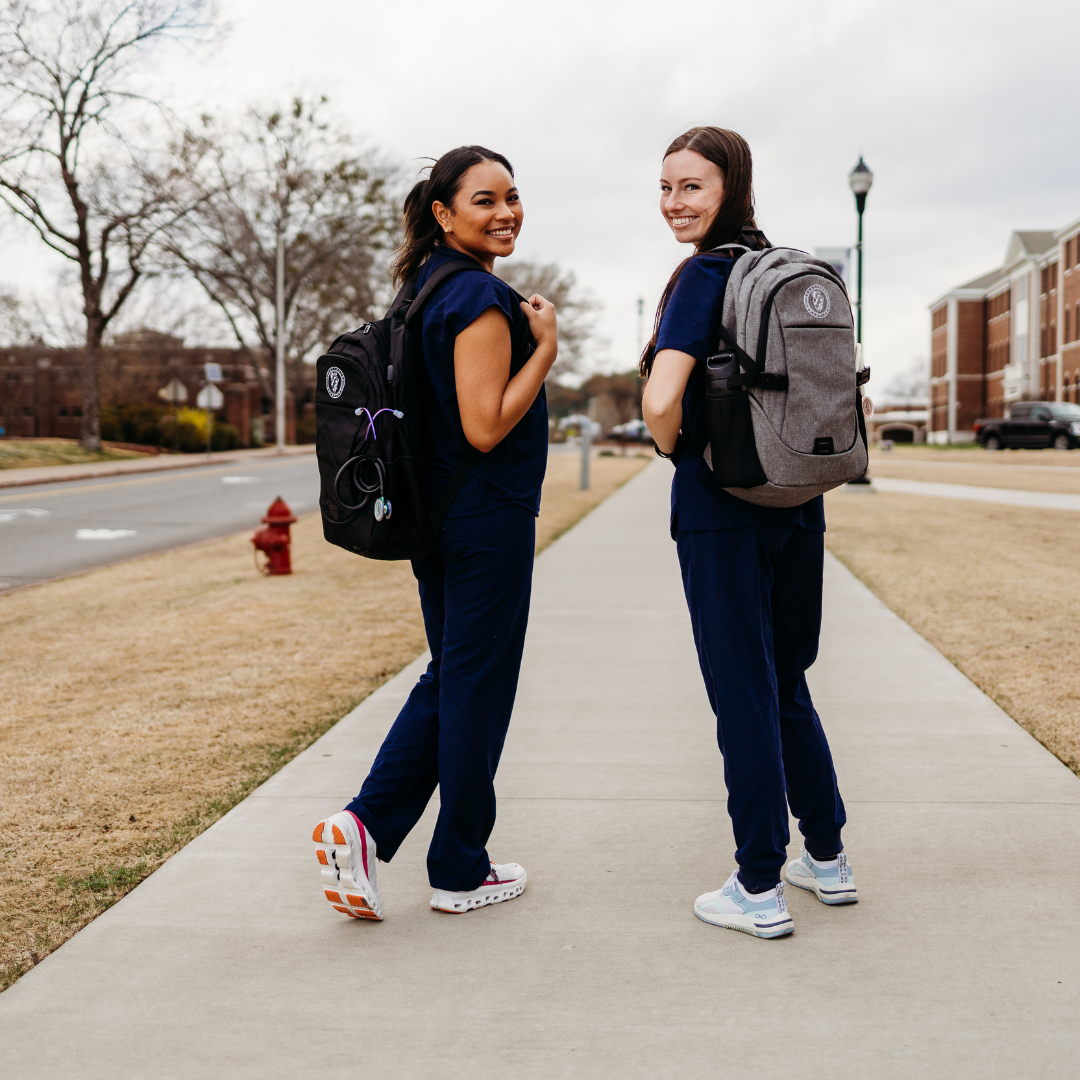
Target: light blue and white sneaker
[[762, 914], [831, 882]]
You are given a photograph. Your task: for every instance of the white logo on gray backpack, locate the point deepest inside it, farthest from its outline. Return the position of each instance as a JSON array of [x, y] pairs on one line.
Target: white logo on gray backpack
[[335, 382], [816, 301]]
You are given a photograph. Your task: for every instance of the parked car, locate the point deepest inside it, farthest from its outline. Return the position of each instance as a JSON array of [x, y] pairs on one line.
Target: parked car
[[1033, 424], [633, 431], [578, 424]]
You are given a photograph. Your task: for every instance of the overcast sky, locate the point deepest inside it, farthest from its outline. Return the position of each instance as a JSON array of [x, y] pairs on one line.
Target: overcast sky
[[966, 112]]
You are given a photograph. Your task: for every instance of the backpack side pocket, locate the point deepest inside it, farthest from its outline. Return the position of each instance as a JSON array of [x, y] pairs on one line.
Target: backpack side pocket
[[735, 461]]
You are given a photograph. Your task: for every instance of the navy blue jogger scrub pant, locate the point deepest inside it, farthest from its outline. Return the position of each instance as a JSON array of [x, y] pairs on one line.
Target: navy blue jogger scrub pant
[[474, 593], [754, 595]]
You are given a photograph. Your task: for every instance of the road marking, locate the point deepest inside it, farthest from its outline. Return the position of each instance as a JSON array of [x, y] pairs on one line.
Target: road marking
[[103, 534], [178, 474], [11, 515], [240, 479]]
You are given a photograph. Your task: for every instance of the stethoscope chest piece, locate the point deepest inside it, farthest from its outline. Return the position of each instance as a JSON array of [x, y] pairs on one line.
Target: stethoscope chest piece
[[382, 509]]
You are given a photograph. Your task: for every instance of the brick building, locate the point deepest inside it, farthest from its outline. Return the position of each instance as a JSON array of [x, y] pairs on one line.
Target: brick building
[[1011, 335], [41, 388]]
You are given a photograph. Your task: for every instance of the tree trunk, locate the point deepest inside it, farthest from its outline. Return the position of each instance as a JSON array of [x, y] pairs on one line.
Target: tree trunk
[[90, 439]]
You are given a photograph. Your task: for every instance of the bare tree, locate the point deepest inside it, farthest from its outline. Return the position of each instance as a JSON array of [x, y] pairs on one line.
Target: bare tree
[[70, 163], [287, 172], [912, 383], [15, 327], [575, 307]]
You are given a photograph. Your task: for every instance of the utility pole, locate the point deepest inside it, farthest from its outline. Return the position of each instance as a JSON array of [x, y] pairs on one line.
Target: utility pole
[[280, 391], [640, 326]]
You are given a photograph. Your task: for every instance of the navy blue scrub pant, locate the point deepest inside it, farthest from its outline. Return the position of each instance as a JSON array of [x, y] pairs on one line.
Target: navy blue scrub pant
[[755, 603], [474, 593]]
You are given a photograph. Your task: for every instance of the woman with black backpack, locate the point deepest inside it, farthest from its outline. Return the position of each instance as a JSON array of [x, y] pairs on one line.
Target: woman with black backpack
[[752, 574], [484, 355]]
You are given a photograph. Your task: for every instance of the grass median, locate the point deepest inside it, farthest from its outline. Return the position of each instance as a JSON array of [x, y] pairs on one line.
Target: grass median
[[32, 453], [140, 702]]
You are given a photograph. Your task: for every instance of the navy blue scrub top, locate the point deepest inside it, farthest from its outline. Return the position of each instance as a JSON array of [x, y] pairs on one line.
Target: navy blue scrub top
[[512, 473], [691, 324]]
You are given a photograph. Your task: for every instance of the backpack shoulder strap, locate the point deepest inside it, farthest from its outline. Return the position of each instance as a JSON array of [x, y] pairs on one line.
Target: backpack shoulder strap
[[415, 304]]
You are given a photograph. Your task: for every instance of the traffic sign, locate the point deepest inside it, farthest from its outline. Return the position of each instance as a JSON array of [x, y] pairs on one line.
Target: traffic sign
[[174, 392], [210, 397], [213, 373]]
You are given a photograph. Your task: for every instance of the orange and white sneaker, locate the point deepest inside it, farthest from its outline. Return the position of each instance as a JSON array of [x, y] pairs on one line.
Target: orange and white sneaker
[[346, 855], [505, 882]]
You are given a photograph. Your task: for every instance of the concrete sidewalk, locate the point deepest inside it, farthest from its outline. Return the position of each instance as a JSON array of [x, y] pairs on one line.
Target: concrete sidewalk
[[94, 470], [1047, 500], [961, 960]]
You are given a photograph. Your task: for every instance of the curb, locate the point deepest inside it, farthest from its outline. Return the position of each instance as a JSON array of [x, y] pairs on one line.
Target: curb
[[165, 463]]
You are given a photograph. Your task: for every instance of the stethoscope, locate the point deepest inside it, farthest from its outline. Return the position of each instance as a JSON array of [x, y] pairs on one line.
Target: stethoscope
[[382, 506]]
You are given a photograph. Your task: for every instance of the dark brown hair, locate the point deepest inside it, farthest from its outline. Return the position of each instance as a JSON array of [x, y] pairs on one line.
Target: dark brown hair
[[422, 230], [734, 222]]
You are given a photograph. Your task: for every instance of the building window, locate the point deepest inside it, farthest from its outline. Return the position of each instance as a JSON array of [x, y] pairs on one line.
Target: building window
[[1068, 325]]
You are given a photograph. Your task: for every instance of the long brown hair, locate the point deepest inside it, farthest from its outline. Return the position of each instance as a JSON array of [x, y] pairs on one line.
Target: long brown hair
[[734, 221], [422, 230]]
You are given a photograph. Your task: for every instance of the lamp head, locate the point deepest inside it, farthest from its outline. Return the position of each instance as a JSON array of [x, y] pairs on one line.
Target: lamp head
[[860, 178]]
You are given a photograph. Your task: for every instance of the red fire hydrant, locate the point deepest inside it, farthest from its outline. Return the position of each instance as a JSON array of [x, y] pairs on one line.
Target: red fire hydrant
[[275, 538]]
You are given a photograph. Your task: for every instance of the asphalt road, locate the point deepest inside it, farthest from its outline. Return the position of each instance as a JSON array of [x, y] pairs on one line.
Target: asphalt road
[[55, 529]]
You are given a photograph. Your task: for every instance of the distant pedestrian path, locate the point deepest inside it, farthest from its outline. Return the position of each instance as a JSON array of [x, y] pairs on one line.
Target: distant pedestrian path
[[1007, 496], [959, 961]]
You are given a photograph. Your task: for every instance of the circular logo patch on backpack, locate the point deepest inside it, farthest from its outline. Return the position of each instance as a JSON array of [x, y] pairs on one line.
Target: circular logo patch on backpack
[[335, 382], [816, 301]]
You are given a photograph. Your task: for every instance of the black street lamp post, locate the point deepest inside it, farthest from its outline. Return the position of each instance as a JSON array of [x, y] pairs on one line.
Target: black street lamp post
[[860, 178]]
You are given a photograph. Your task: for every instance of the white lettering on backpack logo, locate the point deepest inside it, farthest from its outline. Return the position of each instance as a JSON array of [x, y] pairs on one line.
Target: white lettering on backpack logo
[[816, 301], [335, 382]]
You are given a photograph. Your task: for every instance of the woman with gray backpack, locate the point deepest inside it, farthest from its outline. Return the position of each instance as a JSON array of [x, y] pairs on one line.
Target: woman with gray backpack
[[753, 392]]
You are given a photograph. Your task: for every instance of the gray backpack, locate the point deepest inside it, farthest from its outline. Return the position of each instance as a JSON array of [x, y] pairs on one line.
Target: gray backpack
[[783, 397]]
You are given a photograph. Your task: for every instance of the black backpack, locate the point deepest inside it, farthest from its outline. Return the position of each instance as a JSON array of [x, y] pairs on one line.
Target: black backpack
[[368, 427]]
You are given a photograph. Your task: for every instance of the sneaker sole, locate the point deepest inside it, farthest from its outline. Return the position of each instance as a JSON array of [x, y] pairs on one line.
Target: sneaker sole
[[745, 925], [458, 905], [826, 896], [358, 900]]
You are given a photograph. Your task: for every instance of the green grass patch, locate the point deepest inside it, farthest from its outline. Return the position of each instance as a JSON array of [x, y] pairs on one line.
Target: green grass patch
[[34, 453]]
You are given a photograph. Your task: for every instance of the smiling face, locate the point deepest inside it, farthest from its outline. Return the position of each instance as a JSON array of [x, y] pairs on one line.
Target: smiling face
[[691, 190], [486, 214]]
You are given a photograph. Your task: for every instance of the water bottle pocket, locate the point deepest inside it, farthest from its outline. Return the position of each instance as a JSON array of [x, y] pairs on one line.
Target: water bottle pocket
[[735, 461]]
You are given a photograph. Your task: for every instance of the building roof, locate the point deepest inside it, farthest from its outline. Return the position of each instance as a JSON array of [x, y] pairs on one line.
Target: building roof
[[986, 280], [1027, 243]]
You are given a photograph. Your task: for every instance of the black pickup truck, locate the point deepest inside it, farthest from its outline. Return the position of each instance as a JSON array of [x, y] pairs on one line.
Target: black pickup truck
[[1033, 424]]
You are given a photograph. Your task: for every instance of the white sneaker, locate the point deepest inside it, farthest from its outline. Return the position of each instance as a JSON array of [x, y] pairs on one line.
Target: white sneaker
[[831, 882], [347, 861], [505, 882], [764, 915]]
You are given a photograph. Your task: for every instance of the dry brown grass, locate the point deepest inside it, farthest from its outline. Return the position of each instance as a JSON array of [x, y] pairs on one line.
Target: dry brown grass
[[140, 702], [994, 588]]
